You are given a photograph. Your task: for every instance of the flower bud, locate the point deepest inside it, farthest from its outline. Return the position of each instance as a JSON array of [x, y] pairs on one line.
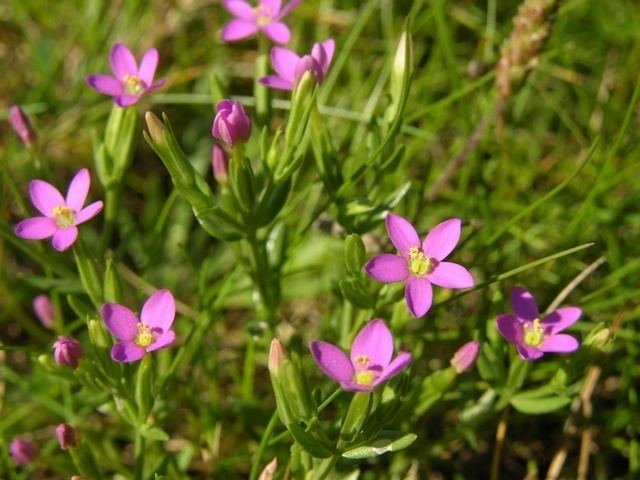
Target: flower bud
[[276, 355], [43, 308], [231, 124], [220, 164], [155, 126], [308, 64], [21, 125], [466, 356], [23, 451], [269, 471], [66, 435], [67, 351]]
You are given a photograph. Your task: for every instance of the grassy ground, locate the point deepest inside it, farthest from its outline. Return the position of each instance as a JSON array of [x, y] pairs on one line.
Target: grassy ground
[[557, 168]]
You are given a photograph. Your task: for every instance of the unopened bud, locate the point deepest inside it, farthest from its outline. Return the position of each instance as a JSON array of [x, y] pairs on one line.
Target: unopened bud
[[23, 451], [220, 164], [155, 127], [269, 471], [277, 354], [21, 125], [67, 351], [44, 310], [466, 356], [66, 435], [231, 124]]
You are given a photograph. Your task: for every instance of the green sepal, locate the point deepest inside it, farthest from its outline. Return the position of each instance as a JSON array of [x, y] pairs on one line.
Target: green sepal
[[391, 442], [144, 391], [310, 442], [354, 419], [354, 253], [88, 272], [112, 284]]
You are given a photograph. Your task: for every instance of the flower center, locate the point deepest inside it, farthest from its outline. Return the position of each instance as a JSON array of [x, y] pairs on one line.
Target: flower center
[[365, 378], [419, 264], [533, 334], [144, 337], [132, 85], [263, 15], [63, 216]]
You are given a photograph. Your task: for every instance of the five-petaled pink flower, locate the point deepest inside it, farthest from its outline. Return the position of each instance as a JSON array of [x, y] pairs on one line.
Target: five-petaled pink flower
[[370, 361], [61, 216], [138, 337], [264, 17], [420, 263], [128, 82], [290, 67], [532, 336]]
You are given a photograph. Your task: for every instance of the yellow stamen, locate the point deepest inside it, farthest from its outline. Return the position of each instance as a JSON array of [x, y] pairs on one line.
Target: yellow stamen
[[263, 15], [419, 264], [365, 378], [144, 337], [363, 360], [64, 216], [533, 334], [132, 85]]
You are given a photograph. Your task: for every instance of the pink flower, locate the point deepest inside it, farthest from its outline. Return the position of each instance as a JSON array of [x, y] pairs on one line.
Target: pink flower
[[66, 436], [265, 17], [465, 357], [290, 67], [370, 361], [532, 336], [220, 164], [21, 125], [61, 216], [44, 310], [128, 82], [23, 451], [231, 124], [67, 351], [139, 337], [420, 264]]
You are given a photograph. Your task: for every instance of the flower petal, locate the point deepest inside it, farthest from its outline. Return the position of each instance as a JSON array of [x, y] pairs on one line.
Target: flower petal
[[375, 342], [237, 30], [272, 5], [88, 212], [387, 268], [45, 197], [126, 100], [36, 228], [148, 66], [278, 32], [332, 361], [560, 343], [163, 341], [284, 62], [451, 275], [159, 310], [78, 190], [524, 305], [284, 11], [105, 84], [120, 321], [64, 238], [127, 352], [239, 8], [561, 318], [418, 295], [510, 328], [402, 234], [529, 353], [442, 239], [395, 367], [122, 61], [323, 54], [272, 81], [329, 46]]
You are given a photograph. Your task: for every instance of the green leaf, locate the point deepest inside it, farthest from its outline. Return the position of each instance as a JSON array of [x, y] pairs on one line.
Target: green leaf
[[154, 433], [309, 442], [380, 446], [539, 401]]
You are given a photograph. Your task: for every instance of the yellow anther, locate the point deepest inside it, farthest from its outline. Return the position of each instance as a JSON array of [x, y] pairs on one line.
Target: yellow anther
[[144, 337], [533, 334], [263, 15], [365, 378], [419, 264], [132, 85], [63, 216], [363, 360]]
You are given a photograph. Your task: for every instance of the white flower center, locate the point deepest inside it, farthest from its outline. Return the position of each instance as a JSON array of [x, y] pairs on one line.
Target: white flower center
[[132, 85], [63, 216]]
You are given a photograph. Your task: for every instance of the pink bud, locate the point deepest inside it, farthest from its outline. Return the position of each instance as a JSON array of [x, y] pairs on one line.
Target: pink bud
[[277, 354], [44, 311], [21, 125], [23, 451], [231, 124], [66, 436], [466, 356], [220, 164], [67, 351]]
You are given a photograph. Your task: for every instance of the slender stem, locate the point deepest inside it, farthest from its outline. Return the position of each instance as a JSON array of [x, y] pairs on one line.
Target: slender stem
[[140, 451], [248, 370], [501, 433], [255, 468]]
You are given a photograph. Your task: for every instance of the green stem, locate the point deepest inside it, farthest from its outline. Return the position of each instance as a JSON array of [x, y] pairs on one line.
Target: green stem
[[260, 92], [248, 370], [111, 201], [255, 468]]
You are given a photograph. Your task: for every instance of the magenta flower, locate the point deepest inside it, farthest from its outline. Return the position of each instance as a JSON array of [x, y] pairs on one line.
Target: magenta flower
[[290, 67], [61, 216], [66, 436], [532, 336], [44, 310], [370, 362], [128, 82], [23, 451], [220, 164], [265, 17], [231, 124], [465, 357], [67, 351], [22, 126], [138, 337], [420, 264]]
